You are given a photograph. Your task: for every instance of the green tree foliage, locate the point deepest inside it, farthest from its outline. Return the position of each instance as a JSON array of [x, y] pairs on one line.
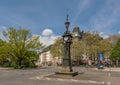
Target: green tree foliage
[[3, 51], [20, 46], [76, 49], [57, 48], [113, 39], [115, 55], [105, 46], [90, 45]]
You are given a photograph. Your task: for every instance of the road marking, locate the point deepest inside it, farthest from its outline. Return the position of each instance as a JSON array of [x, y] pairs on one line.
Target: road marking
[[60, 79], [75, 80], [92, 81], [109, 74], [48, 78], [37, 77], [108, 83], [69, 80], [41, 76]]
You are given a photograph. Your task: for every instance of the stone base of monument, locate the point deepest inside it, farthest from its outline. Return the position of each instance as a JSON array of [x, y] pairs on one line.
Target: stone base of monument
[[66, 71]]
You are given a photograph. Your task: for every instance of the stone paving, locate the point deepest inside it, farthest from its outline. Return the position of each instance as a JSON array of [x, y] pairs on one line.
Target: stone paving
[[106, 76]]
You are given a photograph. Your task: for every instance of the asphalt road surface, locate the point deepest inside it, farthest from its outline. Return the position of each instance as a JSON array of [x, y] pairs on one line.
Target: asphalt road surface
[[40, 76]]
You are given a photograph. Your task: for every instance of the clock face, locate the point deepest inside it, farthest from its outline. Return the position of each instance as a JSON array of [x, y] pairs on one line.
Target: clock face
[[65, 38], [76, 34]]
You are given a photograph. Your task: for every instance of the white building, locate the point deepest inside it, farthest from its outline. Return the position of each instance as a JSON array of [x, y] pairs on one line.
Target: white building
[[46, 58]]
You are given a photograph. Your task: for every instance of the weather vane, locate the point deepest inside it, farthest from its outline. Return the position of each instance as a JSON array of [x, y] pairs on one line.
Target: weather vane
[[67, 17]]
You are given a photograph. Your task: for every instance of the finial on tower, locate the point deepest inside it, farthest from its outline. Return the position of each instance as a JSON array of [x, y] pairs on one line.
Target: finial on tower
[[67, 23], [67, 17]]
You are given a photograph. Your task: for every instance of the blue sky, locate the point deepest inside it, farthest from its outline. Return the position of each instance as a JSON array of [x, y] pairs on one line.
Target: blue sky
[[47, 17]]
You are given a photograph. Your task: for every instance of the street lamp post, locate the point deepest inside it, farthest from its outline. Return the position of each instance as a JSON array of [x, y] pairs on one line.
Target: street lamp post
[[67, 41]]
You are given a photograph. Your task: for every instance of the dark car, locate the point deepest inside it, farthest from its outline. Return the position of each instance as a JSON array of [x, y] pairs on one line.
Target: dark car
[[100, 66]]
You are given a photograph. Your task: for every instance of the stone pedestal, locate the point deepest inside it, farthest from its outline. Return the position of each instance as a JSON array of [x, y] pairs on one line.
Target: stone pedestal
[[65, 71]]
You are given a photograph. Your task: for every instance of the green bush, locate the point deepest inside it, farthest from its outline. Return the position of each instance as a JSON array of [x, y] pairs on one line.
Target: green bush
[[7, 64], [18, 67], [32, 65]]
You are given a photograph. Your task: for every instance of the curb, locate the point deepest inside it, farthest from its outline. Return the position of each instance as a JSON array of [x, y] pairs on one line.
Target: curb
[[1, 68], [108, 69]]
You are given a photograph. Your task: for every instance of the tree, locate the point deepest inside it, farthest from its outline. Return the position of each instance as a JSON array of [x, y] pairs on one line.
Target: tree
[[3, 51], [113, 39], [105, 47], [76, 48], [20, 43], [93, 44], [90, 46], [57, 48], [115, 55]]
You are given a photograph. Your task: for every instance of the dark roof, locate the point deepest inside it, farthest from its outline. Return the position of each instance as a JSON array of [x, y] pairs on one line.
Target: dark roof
[[76, 29], [46, 49]]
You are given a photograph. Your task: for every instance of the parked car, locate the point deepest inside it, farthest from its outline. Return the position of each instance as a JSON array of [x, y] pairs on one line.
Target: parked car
[[100, 66]]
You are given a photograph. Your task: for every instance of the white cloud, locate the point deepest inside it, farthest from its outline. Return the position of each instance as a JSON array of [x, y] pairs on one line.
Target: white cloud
[[102, 34], [48, 40], [119, 32], [1, 36], [1, 29], [48, 37], [105, 36], [47, 32]]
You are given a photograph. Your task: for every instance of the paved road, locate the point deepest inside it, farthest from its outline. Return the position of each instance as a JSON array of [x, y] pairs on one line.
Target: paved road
[[37, 77]]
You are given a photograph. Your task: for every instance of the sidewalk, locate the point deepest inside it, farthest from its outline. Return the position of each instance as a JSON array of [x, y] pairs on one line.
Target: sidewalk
[[6, 68], [115, 69]]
